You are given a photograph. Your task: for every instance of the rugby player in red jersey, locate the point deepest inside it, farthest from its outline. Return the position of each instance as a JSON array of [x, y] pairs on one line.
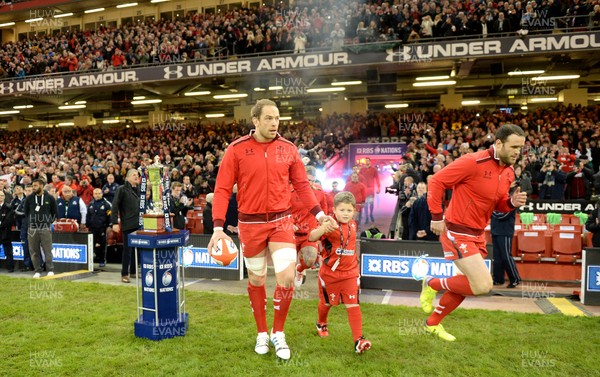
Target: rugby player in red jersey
[[263, 164], [481, 183]]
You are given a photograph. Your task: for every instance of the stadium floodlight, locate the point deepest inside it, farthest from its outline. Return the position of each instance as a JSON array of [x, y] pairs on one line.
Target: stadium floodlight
[[526, 73], [396, 105], [146, 101], [199, 93], [127, 5], [344, 83], [80, 102], [543, 99], [523, 107], [276, 87], [9, 112], [215, 115], [63, 15], [66, 124], [157, 1], [434, 83], [138, 98], [326, 90], [285, 118], [94, 10], [470, 102], [432, 78], [34, 20], [7, 24], [597, 99], [110, 121], [230, 96], [555, 78], [257, 89], [19, 107], [71, 107]]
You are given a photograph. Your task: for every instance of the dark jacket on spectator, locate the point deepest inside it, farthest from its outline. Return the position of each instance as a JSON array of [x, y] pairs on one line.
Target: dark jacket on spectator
[[98, 215], [207, 218], [420, 219], [179, 210], [552, 184], [126, 205], [7, 218], [579, 184], [593, 226]]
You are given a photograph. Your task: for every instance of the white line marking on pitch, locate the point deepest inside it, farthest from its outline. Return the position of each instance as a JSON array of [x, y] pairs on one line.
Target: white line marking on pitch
[[192, 282], [386, 298]]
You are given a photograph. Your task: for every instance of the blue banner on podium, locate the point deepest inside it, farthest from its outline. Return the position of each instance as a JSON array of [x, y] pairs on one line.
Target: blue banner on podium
[[160, 314]]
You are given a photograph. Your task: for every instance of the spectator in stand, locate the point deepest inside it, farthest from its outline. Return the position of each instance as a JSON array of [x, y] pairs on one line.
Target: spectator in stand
[[579, 182], [180, 205], [593, 225], [98, 220], [406, 198], [72, 207], [524, 180], [207, 214], [231, 217], [125, 207], [86, 190], [7, 219], [552, 181], [118, 60], [188, 189], [337, 37], [109, 189], [40, 210], [419, 219]]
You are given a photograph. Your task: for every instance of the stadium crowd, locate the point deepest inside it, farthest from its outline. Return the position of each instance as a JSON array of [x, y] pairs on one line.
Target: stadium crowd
[[268, 29], [565, 137]]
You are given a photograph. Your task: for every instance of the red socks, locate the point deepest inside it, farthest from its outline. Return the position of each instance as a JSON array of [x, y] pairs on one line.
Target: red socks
[[323, 312], [258, 302], [355, 320], [448, 302], [457, 284], [281, 303]]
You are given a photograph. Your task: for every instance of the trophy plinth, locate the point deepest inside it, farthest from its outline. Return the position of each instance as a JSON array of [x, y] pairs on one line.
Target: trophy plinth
[[155, 224]]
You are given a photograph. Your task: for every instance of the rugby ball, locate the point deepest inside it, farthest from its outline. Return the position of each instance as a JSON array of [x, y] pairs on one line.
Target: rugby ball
[[224, 252], [420, 268]]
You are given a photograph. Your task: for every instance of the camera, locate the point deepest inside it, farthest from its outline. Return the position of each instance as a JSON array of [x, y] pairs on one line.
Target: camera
[[391, 190]]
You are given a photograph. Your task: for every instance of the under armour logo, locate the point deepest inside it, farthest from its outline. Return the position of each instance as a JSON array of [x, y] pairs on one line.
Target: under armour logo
[[6, 88], [352, 296], [403, 54], [177, 71], [332, 295]]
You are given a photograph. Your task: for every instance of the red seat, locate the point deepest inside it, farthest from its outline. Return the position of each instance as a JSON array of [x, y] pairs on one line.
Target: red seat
[[566, 219], [566, 246], [569, 228], [531, 245]]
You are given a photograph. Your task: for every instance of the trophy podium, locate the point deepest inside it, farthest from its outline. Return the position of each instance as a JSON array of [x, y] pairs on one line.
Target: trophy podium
[[160, 283]]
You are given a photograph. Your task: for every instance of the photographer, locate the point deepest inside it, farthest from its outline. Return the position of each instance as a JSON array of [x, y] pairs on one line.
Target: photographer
[[552, 181]]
